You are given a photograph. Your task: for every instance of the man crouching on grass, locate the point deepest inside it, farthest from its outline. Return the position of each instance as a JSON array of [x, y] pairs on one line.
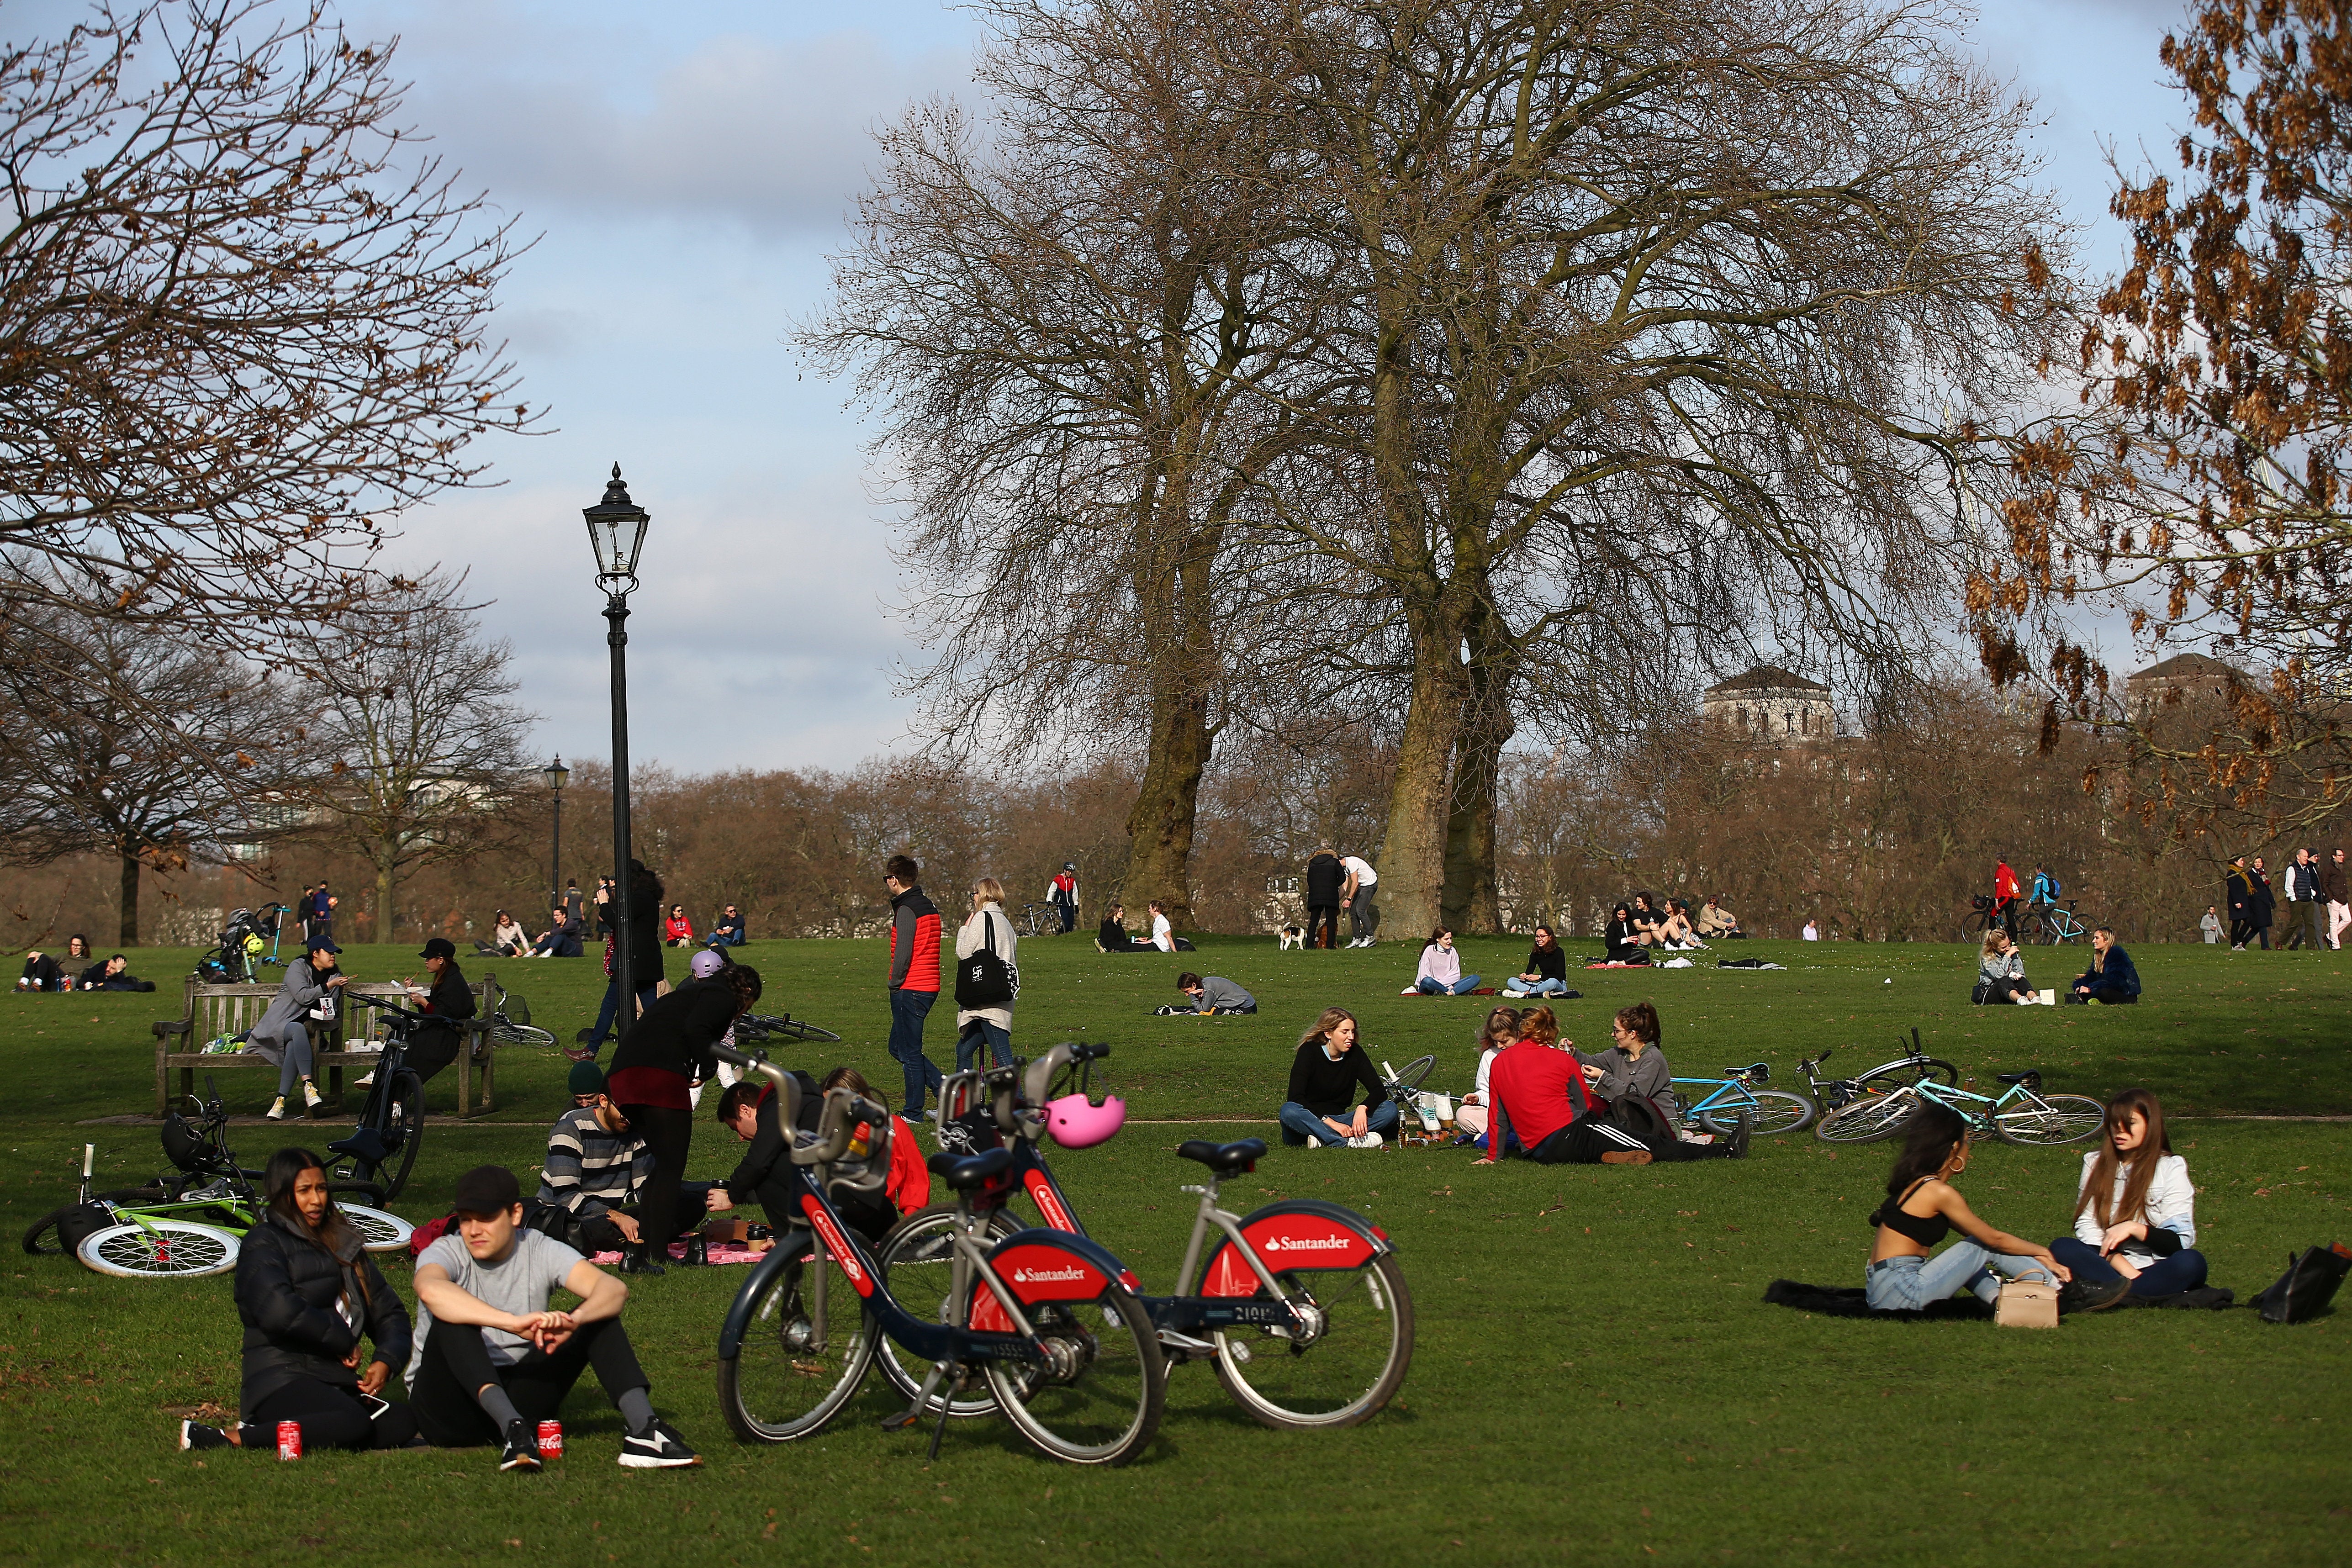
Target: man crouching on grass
[[492, 1359]]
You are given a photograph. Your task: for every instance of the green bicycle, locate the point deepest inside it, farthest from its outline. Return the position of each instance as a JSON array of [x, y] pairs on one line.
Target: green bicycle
[[185, 1225], [2022, 1114]]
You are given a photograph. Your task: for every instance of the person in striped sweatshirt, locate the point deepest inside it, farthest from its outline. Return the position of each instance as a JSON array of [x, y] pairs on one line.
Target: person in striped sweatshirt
[[596, 1164]]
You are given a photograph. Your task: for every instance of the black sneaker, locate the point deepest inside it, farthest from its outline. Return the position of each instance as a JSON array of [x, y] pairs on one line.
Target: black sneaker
[[195, 1434], [638, 1259], [660, 1448], [2092, 1295], [523, 1447]]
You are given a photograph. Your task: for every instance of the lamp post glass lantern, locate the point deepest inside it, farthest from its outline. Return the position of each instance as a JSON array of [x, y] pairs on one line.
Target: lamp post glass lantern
[[557, 776], [616, 533]]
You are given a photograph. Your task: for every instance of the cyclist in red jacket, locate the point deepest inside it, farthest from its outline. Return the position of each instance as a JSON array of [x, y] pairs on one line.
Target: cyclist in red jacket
[[2004, 898], [914, 977]]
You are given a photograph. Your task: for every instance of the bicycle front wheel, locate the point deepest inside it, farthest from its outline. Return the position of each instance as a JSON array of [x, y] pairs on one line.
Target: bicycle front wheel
[[2032, 928], [1098, 1399], [1770, 1111], [1360, 1328], [378, 1231], [159, 1249], [916, 1261], [2046, 1121], [804, 1352], [1903, 1075], [1868, 1120], [521, 1034]]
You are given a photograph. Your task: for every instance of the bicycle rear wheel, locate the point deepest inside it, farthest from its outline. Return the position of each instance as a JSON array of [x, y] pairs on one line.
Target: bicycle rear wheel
[[159, 1249], [42, 1239], [1362, 1322], [521, 1034], [2046, 1121], [1770, 1111], [1099, 1399], [1414, 1073], [1869, 1120], [1903, 1075], [2032, 928], [916, 1261], [378, 1231], [406, 1113], [804, 1352]]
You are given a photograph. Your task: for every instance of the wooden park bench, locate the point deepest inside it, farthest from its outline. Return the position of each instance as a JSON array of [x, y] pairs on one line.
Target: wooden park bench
[[212, 1012]]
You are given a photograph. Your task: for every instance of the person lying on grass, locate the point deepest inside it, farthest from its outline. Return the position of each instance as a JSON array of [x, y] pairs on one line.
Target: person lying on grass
[[1211, 994], [1541, 1102], [1500, 1031], [1329, 1065], [1441, 968], [493, 1359], [1922, 1206], [2135, 1216], [307, 1294]]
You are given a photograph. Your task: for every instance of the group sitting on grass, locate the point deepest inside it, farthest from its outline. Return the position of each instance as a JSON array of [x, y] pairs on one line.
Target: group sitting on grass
[[1559, 1106], [2134, 1222]]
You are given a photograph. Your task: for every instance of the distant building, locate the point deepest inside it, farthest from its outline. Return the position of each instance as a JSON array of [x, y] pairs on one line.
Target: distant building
[[1770, 706], [2183, 678]]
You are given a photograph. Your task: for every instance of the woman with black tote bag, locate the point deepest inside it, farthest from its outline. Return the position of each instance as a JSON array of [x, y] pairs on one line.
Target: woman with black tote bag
[[986, 978]]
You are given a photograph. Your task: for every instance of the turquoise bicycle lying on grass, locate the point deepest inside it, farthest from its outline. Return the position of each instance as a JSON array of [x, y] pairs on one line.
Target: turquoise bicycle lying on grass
[[1769, 1111], [2020, 1113]]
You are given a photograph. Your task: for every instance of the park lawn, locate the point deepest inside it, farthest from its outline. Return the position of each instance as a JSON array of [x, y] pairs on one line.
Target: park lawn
[[1595, 1375]]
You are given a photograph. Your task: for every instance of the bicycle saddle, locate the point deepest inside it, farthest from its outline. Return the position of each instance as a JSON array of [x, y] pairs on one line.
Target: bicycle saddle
[[2031, 1075], [966, 1172], [1225, 1159]]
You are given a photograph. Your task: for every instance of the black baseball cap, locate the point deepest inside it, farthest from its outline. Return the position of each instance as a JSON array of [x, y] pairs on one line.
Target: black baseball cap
[[487, 1189], [320, 944], [439, 947]]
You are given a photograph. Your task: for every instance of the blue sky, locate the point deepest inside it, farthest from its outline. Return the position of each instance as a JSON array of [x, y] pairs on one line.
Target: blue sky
[[687, 167]]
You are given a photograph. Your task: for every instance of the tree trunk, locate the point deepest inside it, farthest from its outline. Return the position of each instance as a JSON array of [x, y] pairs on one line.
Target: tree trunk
[[128, 932], [1159, 861], [384, 872], [1473, 901], [1412, 854]]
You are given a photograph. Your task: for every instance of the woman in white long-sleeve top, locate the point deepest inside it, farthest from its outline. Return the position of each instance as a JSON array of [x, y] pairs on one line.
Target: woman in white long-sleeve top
[[2135, 1216], [987, 1024]]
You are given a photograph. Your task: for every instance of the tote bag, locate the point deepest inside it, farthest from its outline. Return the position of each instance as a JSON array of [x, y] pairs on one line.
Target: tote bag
[[986, 979]]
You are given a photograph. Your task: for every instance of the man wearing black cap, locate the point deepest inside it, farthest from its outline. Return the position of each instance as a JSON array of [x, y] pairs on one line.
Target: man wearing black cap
[[597, 1163], [448, 1003], [492, 1359]]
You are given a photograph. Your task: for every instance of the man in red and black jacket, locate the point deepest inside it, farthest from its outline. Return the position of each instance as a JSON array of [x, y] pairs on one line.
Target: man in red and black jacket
[[914, 977]]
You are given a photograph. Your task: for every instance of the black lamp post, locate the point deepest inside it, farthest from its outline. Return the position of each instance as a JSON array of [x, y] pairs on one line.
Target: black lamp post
[[556, 774], [616, 531]]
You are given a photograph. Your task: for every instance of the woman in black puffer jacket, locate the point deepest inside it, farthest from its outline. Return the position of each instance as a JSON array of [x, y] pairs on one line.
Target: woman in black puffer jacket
[[309, 1293]]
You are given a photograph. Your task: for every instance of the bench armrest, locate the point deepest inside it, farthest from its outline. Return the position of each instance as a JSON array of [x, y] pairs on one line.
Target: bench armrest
[[164, 1027]]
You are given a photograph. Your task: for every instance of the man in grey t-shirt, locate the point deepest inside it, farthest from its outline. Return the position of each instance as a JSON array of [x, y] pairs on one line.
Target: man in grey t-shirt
[[493, 1359], [1213, 994]]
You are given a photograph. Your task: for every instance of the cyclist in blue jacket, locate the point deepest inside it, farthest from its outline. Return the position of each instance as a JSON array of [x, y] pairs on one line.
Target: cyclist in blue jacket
[[2045, 888]]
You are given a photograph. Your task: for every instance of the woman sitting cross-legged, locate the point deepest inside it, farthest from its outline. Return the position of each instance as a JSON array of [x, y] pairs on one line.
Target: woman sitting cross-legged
[[2135, 1216], [1324, 1075], [1922, 1206], [2000, 971], [1441, 968], [309, 1295], [2112, 979], [1500, 1030], [678, 931], [1547, 971], [1622, 938]]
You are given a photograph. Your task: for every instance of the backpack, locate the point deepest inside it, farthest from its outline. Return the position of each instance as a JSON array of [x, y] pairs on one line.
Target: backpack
[[2308, 1285], [1639, 1116]]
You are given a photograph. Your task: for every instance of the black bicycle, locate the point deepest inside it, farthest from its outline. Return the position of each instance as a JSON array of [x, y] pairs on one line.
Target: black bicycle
[[760, 1029], [381, 1150]]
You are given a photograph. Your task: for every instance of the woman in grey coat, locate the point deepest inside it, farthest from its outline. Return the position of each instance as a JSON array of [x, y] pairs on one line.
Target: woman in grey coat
[[283, 1035]]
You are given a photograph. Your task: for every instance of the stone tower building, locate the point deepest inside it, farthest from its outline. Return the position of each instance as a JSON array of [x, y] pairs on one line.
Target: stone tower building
[[1770, 706]]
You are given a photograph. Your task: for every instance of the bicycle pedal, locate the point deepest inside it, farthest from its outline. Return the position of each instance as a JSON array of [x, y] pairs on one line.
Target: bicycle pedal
[[902, 1420]]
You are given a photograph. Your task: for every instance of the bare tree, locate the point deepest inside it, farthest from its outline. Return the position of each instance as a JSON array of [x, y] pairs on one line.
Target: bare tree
[[2203, 485], [123, 741], [243, 314], [424, 748]]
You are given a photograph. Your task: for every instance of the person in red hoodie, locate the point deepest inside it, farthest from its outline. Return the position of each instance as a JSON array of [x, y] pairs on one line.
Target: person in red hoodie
[[914, 977]]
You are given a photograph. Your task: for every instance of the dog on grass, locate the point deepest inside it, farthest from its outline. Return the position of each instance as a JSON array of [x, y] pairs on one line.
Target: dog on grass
[[1293, 937]]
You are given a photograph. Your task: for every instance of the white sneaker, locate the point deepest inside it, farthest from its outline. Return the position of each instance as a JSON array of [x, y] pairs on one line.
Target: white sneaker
[[1365, 1141], [367, 1081], [1313, 1142], [276, 1112], [311, 1098]]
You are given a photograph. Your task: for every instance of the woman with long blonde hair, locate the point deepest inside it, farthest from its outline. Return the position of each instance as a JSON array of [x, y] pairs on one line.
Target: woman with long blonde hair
[[2135, 1214], [985, 1022], [1329, 1067]]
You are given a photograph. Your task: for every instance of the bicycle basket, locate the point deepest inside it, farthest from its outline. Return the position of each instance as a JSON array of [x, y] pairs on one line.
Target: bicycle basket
[[514, 1007]]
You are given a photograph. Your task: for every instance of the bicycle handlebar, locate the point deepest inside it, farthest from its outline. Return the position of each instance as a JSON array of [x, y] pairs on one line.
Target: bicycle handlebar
[[845, 1109]]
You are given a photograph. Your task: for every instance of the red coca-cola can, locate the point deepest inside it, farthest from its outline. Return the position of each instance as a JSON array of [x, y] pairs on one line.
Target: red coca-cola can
[[290, 1439], [550, 1440]]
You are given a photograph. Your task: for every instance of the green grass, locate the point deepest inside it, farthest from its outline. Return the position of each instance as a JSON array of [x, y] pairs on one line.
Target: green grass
[[1595, 1376]]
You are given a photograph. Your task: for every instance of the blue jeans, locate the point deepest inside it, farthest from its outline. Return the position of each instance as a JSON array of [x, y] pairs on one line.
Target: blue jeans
[[1431, 986], [725, 939], [968, 1043], [2184, 1270], [1908, 1284], [1299, 1124], [907, 1011], [1538, 988], [606, 1014]]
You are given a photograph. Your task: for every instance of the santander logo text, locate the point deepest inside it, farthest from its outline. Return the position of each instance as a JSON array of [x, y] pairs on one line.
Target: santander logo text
[[1041, 1193], [842, 1251], [1041, 1276], [1310, 1243]]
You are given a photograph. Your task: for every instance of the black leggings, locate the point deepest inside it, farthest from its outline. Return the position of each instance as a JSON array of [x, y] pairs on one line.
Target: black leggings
[[457, 1365], [332, 1416], [1584, 1141], [668, 1134]]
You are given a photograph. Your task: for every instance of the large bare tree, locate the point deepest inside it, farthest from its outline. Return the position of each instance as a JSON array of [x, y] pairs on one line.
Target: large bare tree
[[242, 312]]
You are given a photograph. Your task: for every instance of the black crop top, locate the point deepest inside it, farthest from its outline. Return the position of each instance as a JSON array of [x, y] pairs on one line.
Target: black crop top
[[1926, 1230]]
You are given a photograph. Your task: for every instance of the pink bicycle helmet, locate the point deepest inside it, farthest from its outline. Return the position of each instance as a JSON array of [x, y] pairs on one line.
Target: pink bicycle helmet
[[1078, 1122]]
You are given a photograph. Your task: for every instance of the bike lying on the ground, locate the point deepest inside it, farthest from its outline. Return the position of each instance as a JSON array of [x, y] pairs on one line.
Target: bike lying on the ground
[[1741, 1089], [1300, 1305], [1833, 1094], [754, 1030], [2020, 1113], [1050, 1320], [190, 1222]]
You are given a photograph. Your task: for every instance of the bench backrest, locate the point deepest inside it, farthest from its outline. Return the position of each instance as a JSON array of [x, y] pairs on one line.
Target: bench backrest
[[213, 1010]]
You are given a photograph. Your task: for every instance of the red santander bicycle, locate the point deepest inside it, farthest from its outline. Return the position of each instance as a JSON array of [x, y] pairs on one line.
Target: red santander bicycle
[[1300, 1306]]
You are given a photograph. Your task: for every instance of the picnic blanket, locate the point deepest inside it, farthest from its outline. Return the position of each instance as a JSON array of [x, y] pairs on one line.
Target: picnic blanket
[[720, 1252], [1481, 991], [1846, 1302]]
